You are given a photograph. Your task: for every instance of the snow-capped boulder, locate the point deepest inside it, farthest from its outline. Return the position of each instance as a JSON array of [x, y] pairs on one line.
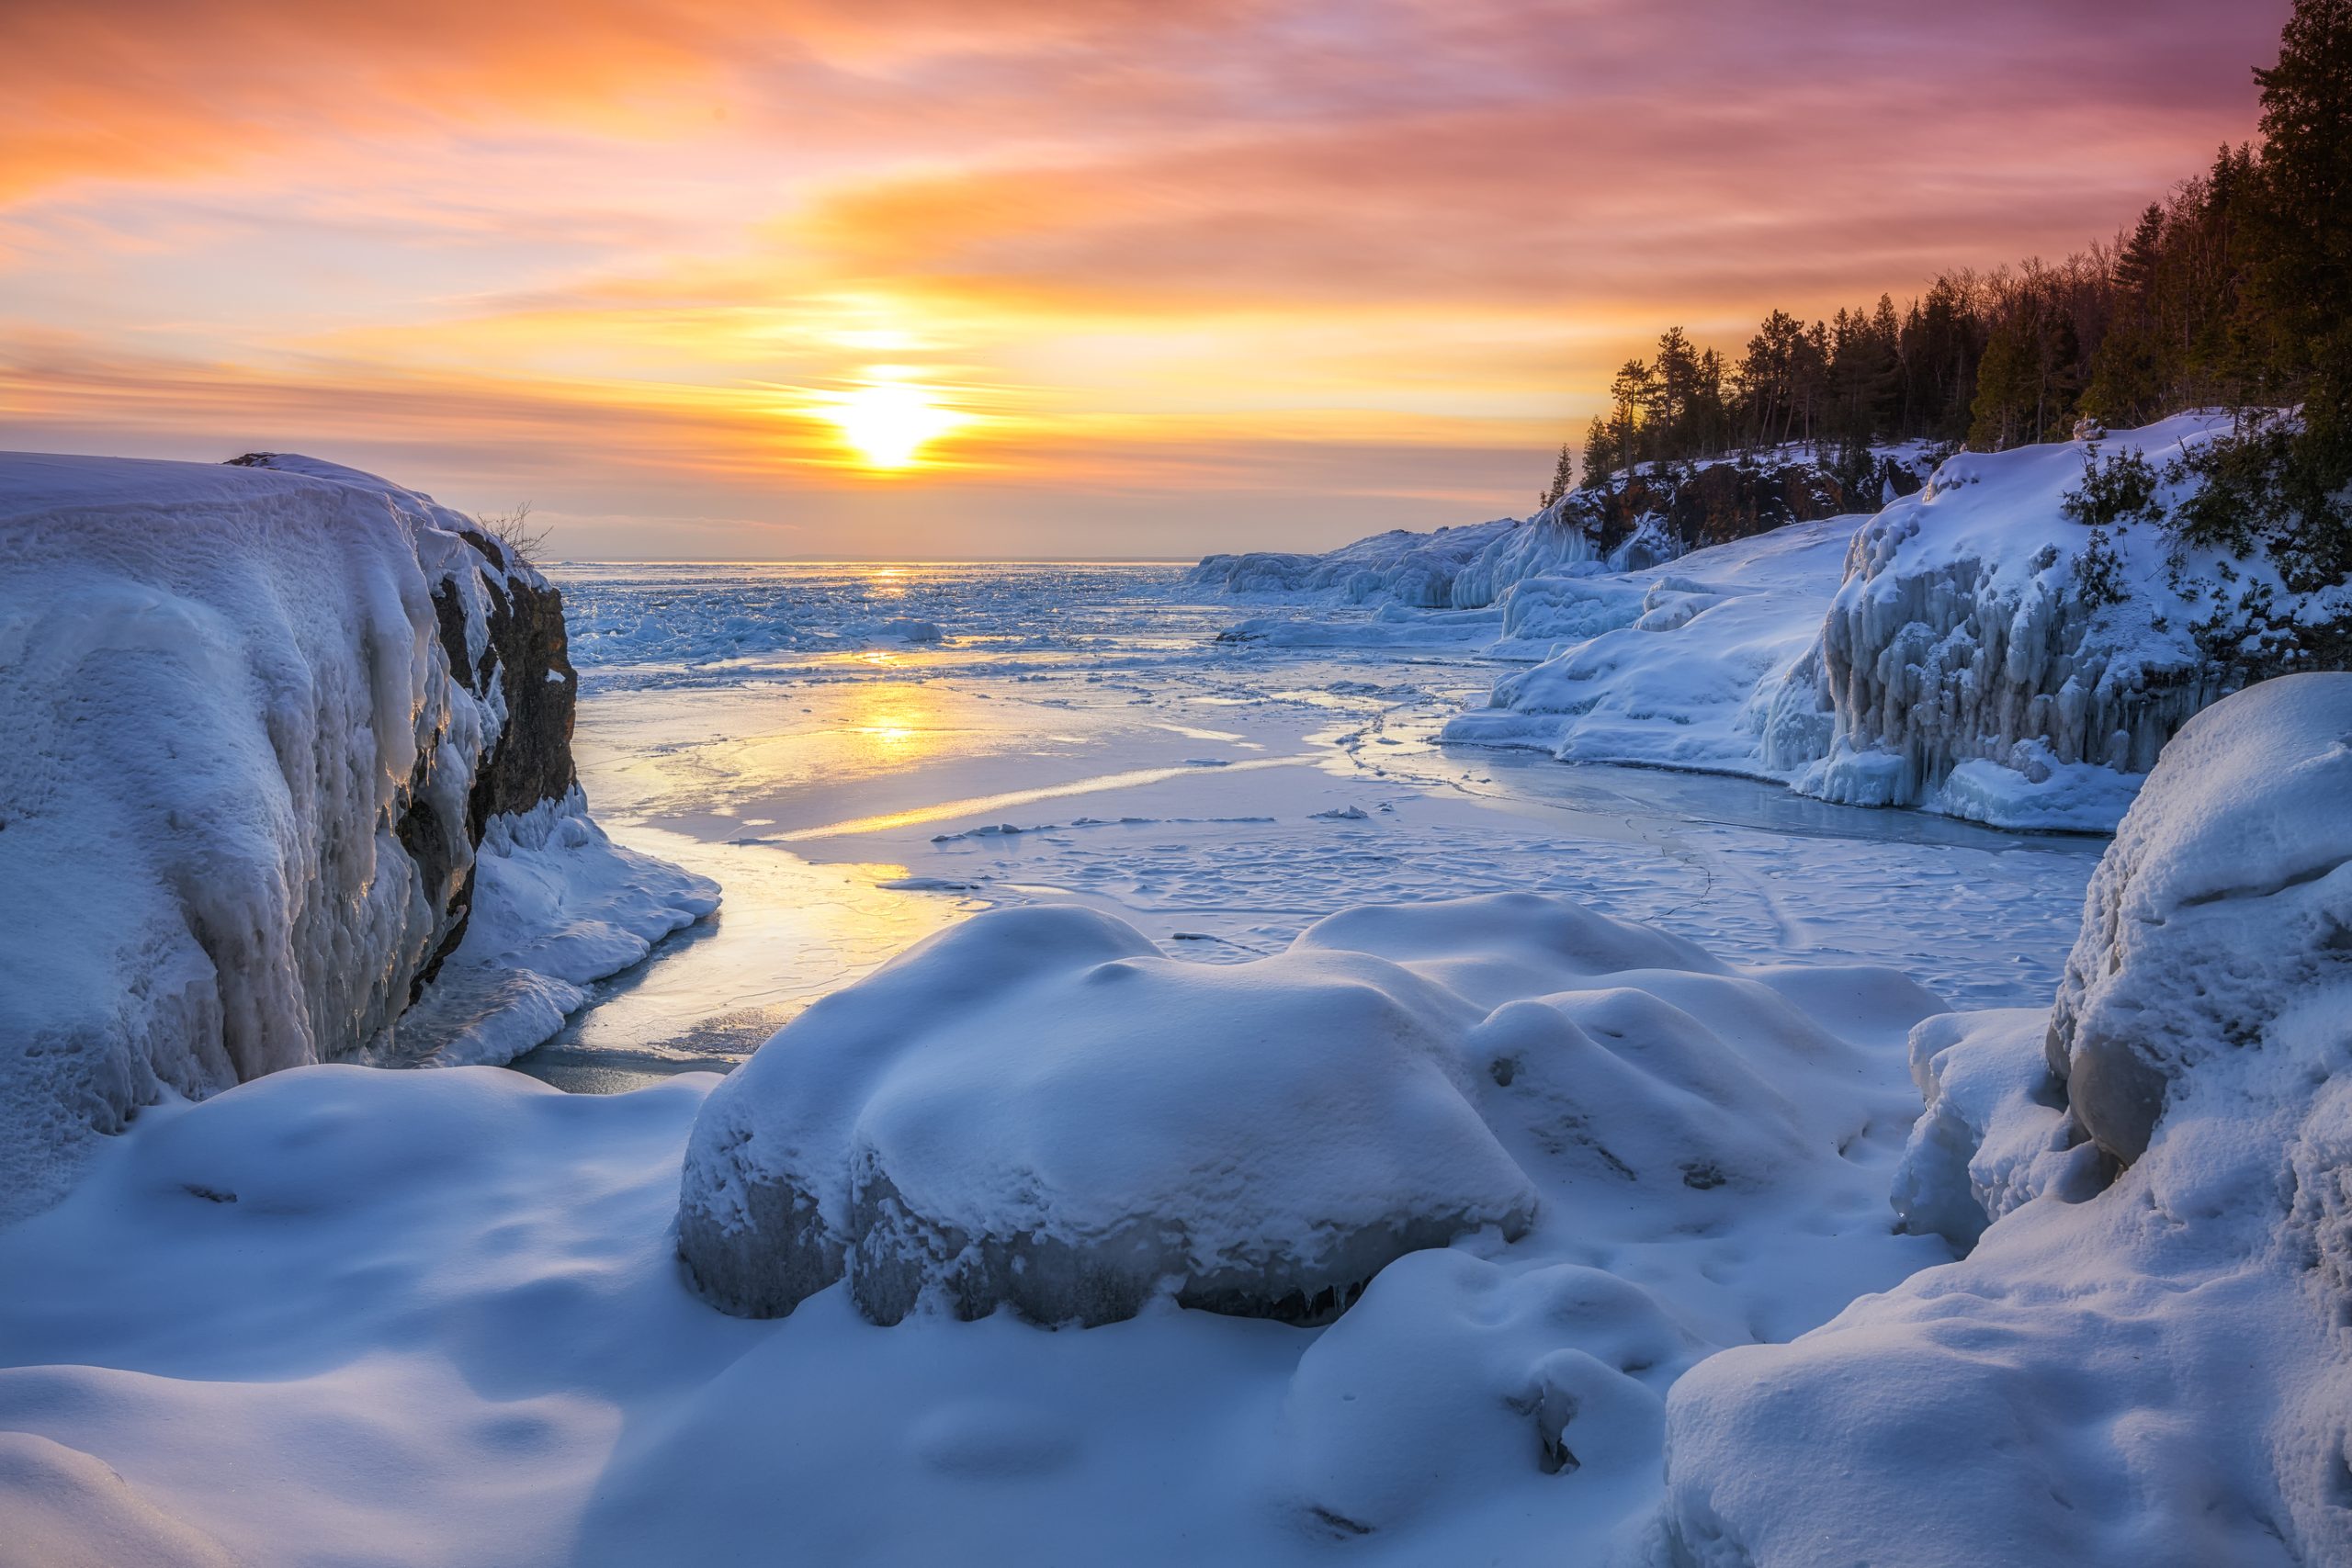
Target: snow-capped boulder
[[2223, 910], [260, 715], [1036, 1107], [2151, 1370]]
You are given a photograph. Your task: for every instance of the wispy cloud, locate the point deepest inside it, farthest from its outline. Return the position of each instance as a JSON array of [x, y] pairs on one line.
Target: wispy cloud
[[1240, 269]]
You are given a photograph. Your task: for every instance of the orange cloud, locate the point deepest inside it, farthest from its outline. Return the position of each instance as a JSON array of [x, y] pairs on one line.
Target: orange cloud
[[1331, 257]]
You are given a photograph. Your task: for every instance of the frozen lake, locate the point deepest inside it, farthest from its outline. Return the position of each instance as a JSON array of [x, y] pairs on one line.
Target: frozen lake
[[863, 754]]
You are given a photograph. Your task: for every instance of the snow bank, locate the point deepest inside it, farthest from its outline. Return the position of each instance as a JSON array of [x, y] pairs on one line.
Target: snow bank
[[1674, 667], [2154, 1371], [1038, 1106], [65, 1509], [260, 715], [350, 1316], [1620, 523]]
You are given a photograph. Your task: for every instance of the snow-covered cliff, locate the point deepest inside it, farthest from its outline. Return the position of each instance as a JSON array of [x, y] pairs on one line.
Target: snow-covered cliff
[[1991, 657], [1974, 649], [261, 716]]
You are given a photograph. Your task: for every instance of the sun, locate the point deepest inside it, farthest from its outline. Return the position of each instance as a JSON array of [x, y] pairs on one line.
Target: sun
[[889, 423]]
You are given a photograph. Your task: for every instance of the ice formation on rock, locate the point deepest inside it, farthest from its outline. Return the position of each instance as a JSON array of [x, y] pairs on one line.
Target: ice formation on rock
[[260, 715], [2222, 913], [2154, 1370], [1037, 1107], [1964, 664], [1955, 655]]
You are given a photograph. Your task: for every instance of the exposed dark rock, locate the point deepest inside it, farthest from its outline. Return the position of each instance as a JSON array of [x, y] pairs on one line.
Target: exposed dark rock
[[1694, 508]]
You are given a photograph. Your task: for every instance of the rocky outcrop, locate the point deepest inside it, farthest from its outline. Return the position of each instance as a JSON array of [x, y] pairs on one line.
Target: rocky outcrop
[[262, 717], [1618, 524], [500, 625], [1674, 511], [1993, 656]]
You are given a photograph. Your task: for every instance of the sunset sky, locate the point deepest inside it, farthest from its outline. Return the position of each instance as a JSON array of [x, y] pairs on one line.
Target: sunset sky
[[1100, 277]]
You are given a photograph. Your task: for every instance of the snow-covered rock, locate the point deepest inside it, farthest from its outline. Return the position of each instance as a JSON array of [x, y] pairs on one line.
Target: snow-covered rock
[[1039, 1107], [1452, 1372], [259, 716], [1965, 664], [1995, 1131], [2223, 912], [2154, 1371]]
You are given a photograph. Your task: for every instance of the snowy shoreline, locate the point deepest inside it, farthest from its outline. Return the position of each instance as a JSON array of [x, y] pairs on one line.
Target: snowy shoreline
[[1941, 653], [1452, 1162]]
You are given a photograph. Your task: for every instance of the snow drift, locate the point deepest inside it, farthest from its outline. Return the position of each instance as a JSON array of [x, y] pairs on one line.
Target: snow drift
[[1038, 1106], [260, 717], [2154, 1369]]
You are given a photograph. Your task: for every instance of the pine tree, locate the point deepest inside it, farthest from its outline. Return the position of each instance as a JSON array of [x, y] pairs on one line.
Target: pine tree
[[1564, 475], [1632, 393], [1600, 458]]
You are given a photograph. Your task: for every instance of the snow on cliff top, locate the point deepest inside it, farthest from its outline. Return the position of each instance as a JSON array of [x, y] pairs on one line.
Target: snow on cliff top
[[237, 797]]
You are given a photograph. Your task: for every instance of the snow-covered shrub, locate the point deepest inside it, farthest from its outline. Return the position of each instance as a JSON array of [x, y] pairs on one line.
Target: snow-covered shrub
[[2154, 1371]]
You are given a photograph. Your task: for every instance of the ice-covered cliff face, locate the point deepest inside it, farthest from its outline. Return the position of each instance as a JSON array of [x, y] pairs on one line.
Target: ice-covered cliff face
[[1973, 650], [1969, 662], [2149, 1365], [259, 717]]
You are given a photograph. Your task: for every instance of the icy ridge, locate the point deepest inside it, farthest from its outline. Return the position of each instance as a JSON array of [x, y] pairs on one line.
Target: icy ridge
[[261, 715]]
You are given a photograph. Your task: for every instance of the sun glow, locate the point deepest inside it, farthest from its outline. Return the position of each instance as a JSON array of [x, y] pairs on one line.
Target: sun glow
[[887, 422]]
